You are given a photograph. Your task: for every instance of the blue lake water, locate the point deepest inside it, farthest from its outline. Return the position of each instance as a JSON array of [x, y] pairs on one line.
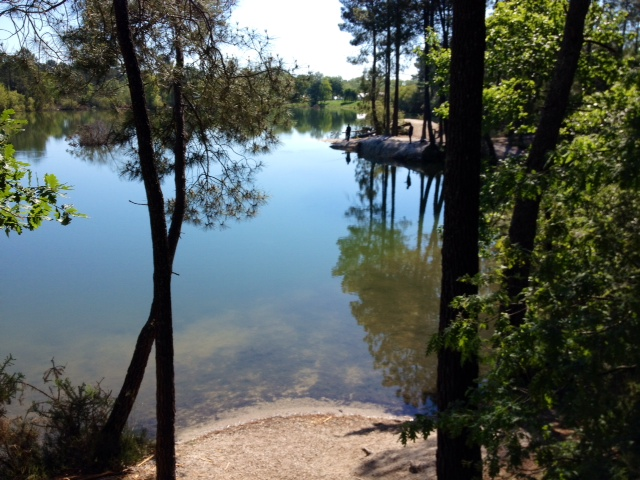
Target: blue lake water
[[331, 292]]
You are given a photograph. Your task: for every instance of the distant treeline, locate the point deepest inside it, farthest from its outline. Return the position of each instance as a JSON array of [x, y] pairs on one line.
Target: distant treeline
[[29, 85], [315, 88]]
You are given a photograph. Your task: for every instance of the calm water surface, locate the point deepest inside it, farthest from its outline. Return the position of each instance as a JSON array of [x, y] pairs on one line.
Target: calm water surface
[[330, 293]]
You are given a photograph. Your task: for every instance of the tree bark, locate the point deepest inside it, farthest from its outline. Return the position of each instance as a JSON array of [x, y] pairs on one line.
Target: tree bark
[[387, 71], [396, 90], [524, 221], [427, 123], [165, 393], [374, 82], [457, 459], [109, 444]]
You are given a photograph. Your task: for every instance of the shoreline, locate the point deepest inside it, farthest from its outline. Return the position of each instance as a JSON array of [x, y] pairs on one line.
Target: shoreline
[[291, 439], [284, 408]]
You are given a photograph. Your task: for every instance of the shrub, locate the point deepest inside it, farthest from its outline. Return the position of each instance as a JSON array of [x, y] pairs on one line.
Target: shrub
[[58, 434]]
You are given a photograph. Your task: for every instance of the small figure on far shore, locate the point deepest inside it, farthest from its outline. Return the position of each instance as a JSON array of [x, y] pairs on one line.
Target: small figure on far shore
[[410, 131], [348, 132]]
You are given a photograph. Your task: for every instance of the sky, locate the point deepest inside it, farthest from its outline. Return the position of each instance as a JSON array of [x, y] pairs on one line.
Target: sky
[[305, 31]]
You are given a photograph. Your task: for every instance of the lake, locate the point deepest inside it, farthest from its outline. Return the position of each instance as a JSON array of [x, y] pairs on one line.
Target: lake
[[331, 292]]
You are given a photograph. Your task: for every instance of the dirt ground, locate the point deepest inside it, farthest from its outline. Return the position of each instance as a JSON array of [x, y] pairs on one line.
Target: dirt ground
[[306, 442]]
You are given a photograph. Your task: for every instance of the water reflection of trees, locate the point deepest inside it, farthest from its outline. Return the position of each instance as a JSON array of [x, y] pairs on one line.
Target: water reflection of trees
[[32, 141], [394, 269], [317, 122]]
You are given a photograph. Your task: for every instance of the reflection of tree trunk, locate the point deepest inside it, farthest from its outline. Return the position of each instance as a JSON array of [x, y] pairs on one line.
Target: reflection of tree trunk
[[393, 195], [522, 231], [424, 195], [458, 457], [385, 188], [370, 195], [432, 247], [438, 198]]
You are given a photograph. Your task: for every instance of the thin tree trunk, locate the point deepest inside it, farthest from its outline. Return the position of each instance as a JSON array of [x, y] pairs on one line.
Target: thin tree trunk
[[524, 222], [427, 123], [457, 458], [374, 83], [396, 90], [109, 442], [165, 397], [387, 75]]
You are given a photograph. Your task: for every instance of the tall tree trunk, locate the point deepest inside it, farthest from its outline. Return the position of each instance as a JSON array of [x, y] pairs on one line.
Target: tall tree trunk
[[387, 73], [396, 90], [161, 310], [109, 442], [427, 118], [374, 83], [524, 222], [444, 14], [457, 459]]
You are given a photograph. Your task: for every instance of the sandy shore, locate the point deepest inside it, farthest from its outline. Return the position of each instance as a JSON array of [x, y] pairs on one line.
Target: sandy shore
[[298, 439]]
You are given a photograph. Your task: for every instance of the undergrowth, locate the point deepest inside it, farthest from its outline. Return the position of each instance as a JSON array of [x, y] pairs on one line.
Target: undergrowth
[[57, 434]]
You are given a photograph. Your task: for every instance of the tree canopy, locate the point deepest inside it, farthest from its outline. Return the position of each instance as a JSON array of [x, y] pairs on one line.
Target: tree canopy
[[559, 398]]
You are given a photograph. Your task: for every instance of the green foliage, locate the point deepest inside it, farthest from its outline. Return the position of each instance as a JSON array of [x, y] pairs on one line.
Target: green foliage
[[10, 384], [350, 95], [74, 416], [421, 426], [26, 206], [20, 452], [438, 60], [12, 100], [523, 38], [563, 389], [58, 433], [232, 108], [561, 392], [315, 87], [411, 99], [507, 106], [319, 89]]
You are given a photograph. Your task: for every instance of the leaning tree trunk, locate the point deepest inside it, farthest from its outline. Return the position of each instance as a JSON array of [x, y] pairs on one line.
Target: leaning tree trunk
[[524, 221], [109, 443], [457, 458]]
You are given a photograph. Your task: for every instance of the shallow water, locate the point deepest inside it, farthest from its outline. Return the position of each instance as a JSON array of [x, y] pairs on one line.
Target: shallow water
[[330, 292]]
